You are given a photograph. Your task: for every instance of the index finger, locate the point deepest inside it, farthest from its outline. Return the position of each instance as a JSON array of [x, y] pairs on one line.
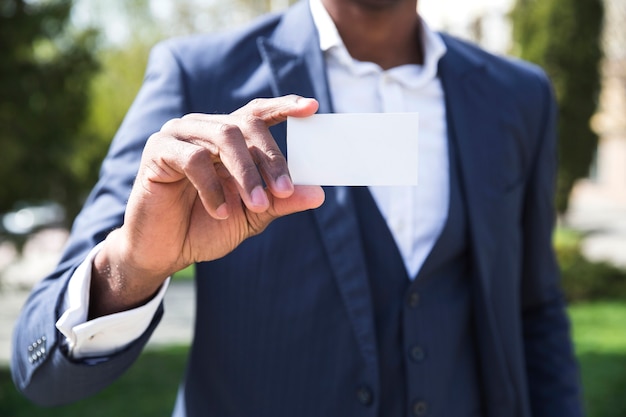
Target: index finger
[[276, 110]]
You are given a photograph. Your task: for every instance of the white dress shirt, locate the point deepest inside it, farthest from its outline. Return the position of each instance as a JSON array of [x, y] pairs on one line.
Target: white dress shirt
[[414, 215]]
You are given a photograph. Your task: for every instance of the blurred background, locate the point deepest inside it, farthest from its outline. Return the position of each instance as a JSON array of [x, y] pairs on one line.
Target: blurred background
[[70, 69]]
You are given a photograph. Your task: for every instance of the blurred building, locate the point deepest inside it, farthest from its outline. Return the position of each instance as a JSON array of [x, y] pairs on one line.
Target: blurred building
[[482, 21], [607, 182]]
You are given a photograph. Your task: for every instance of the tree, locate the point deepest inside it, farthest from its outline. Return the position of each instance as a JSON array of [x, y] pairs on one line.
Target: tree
[[563, 36], [44, 74]]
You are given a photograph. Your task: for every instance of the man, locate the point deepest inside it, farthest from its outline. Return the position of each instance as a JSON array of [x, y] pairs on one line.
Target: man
[[436, 300]]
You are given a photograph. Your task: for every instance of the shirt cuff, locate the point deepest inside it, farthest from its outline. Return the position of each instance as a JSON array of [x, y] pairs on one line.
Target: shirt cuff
[[104, 335]]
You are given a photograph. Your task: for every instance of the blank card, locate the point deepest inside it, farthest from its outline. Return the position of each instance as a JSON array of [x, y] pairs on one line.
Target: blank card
[[353, 149]]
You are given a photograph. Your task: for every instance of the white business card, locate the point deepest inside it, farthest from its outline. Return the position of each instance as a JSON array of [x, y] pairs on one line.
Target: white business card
[[353, 149]]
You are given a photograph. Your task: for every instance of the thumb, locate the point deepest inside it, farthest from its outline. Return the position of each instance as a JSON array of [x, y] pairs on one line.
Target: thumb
[[276, 110], [304, 197]]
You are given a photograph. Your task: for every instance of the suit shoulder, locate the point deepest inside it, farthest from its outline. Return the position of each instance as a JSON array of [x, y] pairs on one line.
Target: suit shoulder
[[218, 47], [524, 84], [506, 69], [210, 68]]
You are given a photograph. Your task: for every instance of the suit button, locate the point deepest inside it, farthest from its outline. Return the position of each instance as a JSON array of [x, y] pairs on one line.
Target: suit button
[[420, 408], [417, 353], [365, 396], [414, 299]]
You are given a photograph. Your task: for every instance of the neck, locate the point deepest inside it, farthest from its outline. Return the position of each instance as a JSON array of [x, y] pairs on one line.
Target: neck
[[388, 35]]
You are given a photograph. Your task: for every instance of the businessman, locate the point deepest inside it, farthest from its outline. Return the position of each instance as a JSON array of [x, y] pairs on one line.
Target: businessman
[[436, 300]]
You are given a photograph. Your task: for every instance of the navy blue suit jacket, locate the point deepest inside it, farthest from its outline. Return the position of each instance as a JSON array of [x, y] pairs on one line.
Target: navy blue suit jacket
[[284, 324]]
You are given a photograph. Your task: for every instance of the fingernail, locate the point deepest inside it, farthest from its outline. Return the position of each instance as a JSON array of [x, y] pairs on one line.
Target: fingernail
[[284, 184], [222, 211], [258, 196]]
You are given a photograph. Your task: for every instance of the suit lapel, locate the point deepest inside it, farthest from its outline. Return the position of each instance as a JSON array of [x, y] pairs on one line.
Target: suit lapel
[[294, 58], [469, 99], [297, 67], [463, 109]]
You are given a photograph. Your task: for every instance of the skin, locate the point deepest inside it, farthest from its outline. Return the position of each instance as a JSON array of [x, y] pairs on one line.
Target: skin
[[198, 194], [386, 32], [199, 191]]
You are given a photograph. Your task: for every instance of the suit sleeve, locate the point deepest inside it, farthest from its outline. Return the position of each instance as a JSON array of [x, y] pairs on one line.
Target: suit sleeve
[[552, 371], [41, 368]]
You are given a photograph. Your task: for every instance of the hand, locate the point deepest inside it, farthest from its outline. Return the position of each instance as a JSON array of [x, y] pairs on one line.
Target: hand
[[198, 195]]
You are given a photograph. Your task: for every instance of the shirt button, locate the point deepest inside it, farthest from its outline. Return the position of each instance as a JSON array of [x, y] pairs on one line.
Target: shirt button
[[414, 299], [365, 396], [420, 408], [417, 353]]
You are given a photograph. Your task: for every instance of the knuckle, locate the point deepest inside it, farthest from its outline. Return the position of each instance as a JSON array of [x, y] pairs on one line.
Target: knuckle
[[155, 137], [214, 187], [275, 155], [229, 130], [254, 121], [198, 157], [155, 142], [193, 116], [270, 158], [171, 125], [250, 171], [256, 102]]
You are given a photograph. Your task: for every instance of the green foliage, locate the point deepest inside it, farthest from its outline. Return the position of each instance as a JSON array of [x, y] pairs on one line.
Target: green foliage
[[186, 274], [563, 37], [44, 74], [110, 94], [584, 280]]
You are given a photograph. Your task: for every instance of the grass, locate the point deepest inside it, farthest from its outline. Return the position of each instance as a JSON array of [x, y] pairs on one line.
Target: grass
[[149, 387], [599, 331]]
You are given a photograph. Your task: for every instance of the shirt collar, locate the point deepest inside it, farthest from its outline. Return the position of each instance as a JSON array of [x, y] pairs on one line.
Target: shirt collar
[[331, 42], [329, 36]]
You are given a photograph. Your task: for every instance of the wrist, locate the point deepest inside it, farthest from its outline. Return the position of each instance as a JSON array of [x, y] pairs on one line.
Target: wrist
[[117, 283]]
